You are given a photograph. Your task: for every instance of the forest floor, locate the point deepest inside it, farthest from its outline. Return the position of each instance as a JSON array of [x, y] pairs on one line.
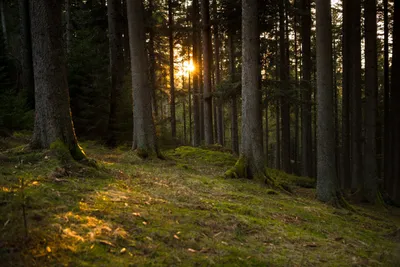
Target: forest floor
[[174, 212]]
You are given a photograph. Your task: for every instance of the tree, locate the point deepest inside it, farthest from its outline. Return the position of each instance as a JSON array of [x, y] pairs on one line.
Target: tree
[[196, 76], [306, 130], [171, 69], [53, 121], [207, 60], [251, 163], [26, 53], [371, 88], [116, 65], [144, 131], [327, 189]]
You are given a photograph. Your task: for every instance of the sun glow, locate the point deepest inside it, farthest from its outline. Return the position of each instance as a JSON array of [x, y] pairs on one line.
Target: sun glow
[[188, 66]]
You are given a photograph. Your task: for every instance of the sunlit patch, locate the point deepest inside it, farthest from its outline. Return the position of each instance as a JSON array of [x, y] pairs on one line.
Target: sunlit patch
[[6, 189]]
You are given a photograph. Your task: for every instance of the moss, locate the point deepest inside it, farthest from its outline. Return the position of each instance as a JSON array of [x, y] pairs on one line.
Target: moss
[[239, 170]]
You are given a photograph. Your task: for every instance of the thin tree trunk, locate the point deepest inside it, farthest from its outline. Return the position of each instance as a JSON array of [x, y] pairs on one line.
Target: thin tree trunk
[[387, 134], [284, 80], [347, 69], [326, 167], [220, 112], [69, 24], [145, 137], [53, 122], [127, 56], [196, 80], [207, 61], [234, 109], [171, 69], [26, 53], [306, 129], [278, 136], [3, 22], [116, 64], [152, 61]]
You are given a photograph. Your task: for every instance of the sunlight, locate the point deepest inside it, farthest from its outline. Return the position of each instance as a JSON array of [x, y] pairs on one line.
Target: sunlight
[[188, 66]]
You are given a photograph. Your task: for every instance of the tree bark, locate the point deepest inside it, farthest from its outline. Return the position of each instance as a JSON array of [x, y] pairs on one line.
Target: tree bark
[[371, 88], [53, 122], [196, 74], [26, 53], [171, 69], [326, 168], [284, 86], [306, 129], [234, 109], [251, 145], [145, 137], [114, 9], [220, 112], [207, 61], [152, 61], [3, 22]]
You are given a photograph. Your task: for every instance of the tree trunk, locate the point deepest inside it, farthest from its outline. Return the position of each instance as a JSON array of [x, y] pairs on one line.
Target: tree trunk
[[395, 109], [152, 62], [171, 69], [326, 167], [284, 81], [116, 65], [219, 114], [26, 53], [347, 69], [53, 122], [196, 80], [306, 129], [3, 22], [69, 24], [234, 109], [251, 145], [207, 61], [371, 89], [356, 112], [145, 137], [387, 133]]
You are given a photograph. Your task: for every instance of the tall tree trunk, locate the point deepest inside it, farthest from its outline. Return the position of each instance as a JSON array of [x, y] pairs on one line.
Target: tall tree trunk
[[220, 112], [234, 109], [196, 74], [356, 112], [53, 122], [347, 69], [26, 53], [284, 81], [371, 89], [387, 135], [68, 28], [251, 145], [326, 168], [116, 65], [395, 108], [171, 69], [306, 129], [3, 22], [152, 61], [145, 137], [127, 55], [207, 61]]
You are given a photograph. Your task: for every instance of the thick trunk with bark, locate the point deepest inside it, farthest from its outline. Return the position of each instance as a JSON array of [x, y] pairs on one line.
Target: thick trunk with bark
[[251, 145], [371, 89], [116, 66], [326, 167], [207, 61], [144, 137], [152, 61], [53, 122]]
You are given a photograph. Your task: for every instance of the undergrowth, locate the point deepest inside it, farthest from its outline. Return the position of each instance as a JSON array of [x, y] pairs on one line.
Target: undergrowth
[[176, 212]]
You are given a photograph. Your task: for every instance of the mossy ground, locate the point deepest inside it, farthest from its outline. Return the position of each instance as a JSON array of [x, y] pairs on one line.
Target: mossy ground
[[176, 212]]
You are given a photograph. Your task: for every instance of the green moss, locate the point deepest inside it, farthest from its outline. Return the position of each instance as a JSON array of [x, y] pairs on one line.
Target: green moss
[[239, 170]]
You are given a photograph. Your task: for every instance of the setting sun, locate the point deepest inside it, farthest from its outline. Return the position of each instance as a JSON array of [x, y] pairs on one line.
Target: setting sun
[[188, 66]]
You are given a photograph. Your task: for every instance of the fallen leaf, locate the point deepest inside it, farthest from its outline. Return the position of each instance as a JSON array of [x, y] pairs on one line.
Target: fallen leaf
[[176, 237], [137, 214], [48, 249], [311, 245], [144, 223], [106, 243], [192, 250], [123, 250]]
